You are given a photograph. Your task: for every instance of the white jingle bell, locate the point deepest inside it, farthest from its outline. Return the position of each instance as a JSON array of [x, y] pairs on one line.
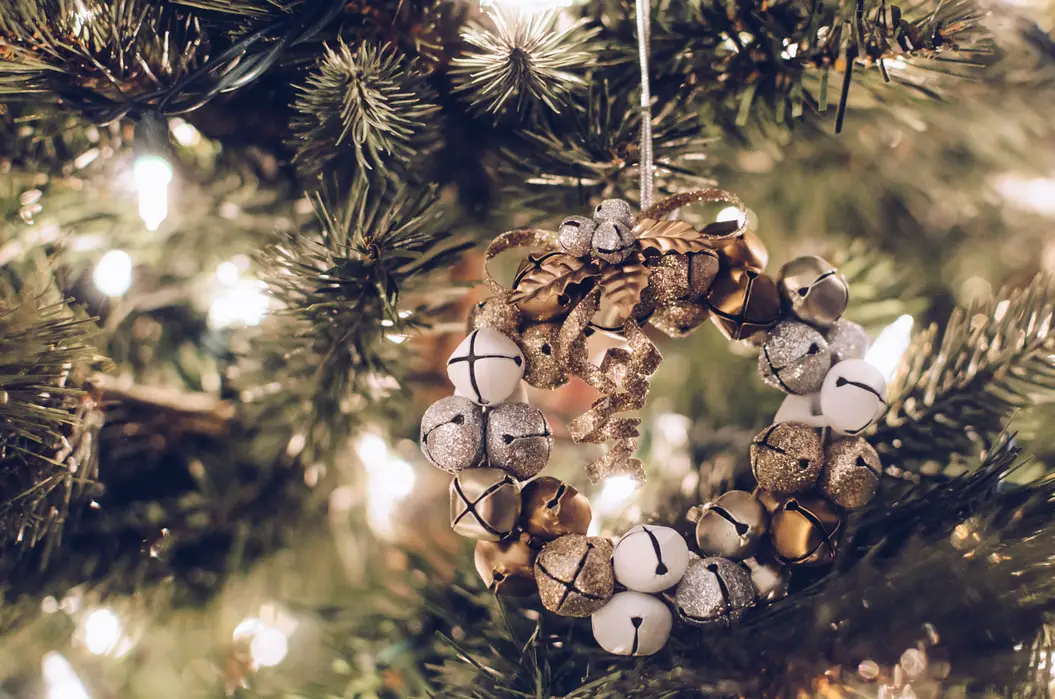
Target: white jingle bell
[[853, 396], [486, 367], [650, 558], [632, 623], [805, 410]]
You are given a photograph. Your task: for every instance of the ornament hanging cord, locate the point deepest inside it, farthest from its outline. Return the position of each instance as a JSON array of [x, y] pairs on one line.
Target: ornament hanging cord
[[643, 41]]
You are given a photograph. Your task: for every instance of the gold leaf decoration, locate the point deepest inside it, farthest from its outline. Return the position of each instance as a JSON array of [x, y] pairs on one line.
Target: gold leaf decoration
[[623, 285], [549, 275], [670, 236]]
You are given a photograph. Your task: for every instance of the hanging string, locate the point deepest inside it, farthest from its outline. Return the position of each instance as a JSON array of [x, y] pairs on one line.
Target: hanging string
[[643, 40]]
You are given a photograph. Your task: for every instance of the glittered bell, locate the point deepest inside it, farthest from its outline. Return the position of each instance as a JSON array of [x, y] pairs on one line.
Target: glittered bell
[[680, 318], [703, 268], [613, 241], [452, 434], [732, 526], [743, 302], [574, 575], [614, 210], [804, 531], [787, 458], [575, 235], [518, 439], [794, 358], [497, 313], [816, 292], [485, 504], [852, 470], [669, 278], [846, 340], [713, 590], [538, 342], [507, 567], [551, 508]]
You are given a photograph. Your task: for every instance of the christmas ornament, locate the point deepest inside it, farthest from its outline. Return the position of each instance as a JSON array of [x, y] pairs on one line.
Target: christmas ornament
[[794, 358], [732, 526], [542, 370], [452, 434], [485, 504], [744, 252], [668, 279], [787, 458], [544, 287], [613, 241], [497, 313], [575, 235], [574, 574], [507, 567], [551, 508], [680, 318], [743, 302], [770, 578], [846, 340], [805, 531], [650, 558], [802, 409], [853, 396], [816, 292], [486, 367], [703, 268], [851, 472], [518, 439], [713, 590], [632, 623]]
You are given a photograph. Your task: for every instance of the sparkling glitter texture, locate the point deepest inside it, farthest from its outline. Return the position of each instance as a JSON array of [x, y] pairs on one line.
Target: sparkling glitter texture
[[452, 434], [539, 343], [703, 268], [713, 590], [787, 458], [680, 318], [497, 313], [574, 575], [794, 358], [846, 340], [851, 472], [669, 280], [575, 235], [518, 439]]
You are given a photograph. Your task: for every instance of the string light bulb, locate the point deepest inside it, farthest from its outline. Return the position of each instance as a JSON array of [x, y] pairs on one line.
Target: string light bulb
[[102, 631], [60, 679], [886, 352], [113, 273], [389, 480], [152, 175]]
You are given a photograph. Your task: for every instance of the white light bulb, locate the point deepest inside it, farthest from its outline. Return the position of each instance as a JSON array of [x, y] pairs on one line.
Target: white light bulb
[[389, 479], [886, 352], [245, 303], [268, 647], [227, 273], [113, 273], [152, 175], [617, 490], [184, 133], [60, 680], [526, 7], [102, 631]]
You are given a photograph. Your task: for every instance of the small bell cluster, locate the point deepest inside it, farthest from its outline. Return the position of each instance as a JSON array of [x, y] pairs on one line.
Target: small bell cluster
[[495, 445]]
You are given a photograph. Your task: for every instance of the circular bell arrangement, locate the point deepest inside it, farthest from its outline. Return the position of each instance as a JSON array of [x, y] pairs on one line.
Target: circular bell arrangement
[[614, 272]]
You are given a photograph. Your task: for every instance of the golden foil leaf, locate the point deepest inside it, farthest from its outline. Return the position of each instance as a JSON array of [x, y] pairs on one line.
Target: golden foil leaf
[[623, 284], [669, 236], [549, 276]]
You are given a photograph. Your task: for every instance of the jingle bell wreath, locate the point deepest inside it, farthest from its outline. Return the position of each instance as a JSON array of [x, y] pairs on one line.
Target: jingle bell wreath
[[613, 272]]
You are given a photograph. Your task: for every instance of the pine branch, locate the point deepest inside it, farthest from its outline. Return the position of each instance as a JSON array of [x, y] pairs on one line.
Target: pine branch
[[523, 60], [955, 389], [47, 452], [339, 334], [882, 289], [369, 103]]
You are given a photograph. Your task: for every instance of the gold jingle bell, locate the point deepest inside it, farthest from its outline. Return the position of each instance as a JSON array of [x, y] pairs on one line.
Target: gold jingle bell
[[743, 303], [743, 252], [551, 508], [787, 458], [507, 567], [538, 342], [485, 504], [805, 531], [574, 574], [852, 470], [732, 526], [679, 318], [497, 313]]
